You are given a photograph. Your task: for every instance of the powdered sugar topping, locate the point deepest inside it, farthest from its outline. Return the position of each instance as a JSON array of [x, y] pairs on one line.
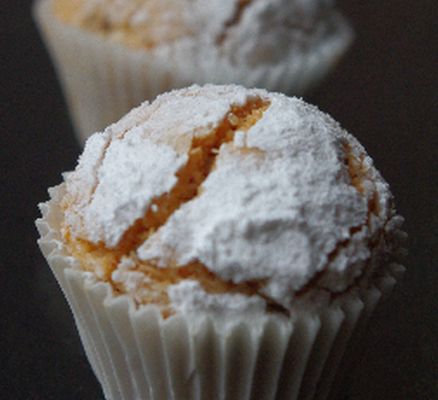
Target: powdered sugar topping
[[189, 296], [279, 205], [135, 160], [254, 32]]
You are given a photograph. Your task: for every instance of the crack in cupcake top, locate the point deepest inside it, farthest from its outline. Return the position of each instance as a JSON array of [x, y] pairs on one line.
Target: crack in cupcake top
[[233, 20], [242, 191], [200, 162]]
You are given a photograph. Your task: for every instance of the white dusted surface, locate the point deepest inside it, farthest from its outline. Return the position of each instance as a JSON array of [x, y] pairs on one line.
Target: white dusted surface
[[302, 198]]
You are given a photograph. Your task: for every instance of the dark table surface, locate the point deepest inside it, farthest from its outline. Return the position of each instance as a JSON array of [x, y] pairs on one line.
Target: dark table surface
[[384, 92]]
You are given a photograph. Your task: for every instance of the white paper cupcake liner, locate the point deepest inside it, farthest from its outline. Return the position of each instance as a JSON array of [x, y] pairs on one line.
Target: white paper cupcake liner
[[136, 354], [103, 80]]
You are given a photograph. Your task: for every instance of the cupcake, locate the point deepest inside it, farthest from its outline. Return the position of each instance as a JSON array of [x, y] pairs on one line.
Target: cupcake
[[111, 55], [221, 243]]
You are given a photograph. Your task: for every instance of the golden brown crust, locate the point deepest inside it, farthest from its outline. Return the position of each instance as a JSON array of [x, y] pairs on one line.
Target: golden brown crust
[[101, 260]]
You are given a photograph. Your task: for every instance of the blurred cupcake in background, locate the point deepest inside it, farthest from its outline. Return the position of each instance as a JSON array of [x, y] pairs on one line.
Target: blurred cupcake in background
[[111, 55]]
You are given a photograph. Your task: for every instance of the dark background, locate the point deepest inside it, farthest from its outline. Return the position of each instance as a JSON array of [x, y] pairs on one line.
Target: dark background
[[384, 92]]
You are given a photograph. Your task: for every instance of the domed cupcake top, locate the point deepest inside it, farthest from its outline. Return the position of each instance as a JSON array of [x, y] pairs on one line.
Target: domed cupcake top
[[230, 195], [257, 30]]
